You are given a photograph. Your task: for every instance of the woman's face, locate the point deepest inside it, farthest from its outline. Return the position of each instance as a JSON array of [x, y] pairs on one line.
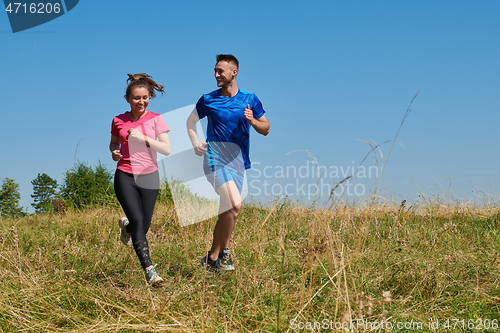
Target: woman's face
[[138, 99]]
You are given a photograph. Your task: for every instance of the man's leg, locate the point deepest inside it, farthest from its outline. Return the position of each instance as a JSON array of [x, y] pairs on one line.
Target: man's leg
[[229, 208]]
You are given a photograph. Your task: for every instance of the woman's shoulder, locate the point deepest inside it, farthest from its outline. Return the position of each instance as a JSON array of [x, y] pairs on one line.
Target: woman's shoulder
[[122, 117], [152, 114]]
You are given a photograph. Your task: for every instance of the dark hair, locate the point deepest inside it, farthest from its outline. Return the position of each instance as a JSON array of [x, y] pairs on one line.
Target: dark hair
[[143, 80], [228, 58]]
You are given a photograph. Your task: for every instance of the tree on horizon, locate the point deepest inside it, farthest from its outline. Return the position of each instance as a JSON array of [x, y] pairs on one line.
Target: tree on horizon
[[44, 192], [84, 185], [9, 199]]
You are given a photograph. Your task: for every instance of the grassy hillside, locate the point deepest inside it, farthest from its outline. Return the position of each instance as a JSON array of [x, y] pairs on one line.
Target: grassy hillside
[[425, 270]]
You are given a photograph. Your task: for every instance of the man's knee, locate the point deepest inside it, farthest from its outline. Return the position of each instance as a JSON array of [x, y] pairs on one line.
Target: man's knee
[[237, 208], [233, 210]]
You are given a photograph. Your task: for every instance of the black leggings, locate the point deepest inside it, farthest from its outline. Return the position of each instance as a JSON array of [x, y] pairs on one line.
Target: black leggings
[[137, 198]]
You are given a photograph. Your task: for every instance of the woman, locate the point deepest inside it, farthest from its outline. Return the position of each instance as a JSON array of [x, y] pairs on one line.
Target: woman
[[136, 136]]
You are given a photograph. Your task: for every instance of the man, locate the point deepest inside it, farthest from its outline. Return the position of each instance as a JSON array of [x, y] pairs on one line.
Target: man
[[230, 113]]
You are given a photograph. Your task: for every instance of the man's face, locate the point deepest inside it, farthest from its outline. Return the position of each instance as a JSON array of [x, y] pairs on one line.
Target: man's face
[[225, 72]]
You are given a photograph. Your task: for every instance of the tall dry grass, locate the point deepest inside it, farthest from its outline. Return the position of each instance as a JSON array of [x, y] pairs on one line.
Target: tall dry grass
[[295, 266]]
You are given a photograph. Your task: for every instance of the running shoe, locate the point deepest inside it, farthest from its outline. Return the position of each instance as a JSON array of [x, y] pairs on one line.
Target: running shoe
[[151, 276], [124, 235], [225, 261], [209, 264]]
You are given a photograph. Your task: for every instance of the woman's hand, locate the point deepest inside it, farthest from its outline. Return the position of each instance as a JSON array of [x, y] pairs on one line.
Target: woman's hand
[[114, 148], [136, 134], [116, 155]]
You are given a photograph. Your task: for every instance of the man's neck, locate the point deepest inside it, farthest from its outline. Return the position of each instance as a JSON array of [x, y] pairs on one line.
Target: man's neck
[[230, 91]]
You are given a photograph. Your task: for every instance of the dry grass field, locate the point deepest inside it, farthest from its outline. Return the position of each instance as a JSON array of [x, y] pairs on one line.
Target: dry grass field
[[377, 268]]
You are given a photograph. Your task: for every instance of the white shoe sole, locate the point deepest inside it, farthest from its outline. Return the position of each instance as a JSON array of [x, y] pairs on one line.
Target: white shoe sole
[[124, 236]]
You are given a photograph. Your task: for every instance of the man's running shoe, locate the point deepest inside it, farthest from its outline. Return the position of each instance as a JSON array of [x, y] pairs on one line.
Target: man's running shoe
[[225, 261], [124, 235], [209, 264], [151, 276]]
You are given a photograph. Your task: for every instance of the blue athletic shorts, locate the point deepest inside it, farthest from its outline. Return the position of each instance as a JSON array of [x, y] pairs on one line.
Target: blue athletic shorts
[[218, 175]]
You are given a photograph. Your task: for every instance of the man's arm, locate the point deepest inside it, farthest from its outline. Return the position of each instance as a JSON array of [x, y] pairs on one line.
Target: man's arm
[[199, 147], [261, 125]]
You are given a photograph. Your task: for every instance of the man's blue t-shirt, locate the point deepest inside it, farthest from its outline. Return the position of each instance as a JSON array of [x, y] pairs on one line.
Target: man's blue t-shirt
[[227, 125]]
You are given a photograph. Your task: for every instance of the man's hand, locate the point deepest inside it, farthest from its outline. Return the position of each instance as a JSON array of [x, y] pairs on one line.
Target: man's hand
[[200, 148], [261, 125], [249, 115]]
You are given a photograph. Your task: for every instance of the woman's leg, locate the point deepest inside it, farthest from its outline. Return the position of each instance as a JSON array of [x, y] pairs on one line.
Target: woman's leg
[[149, 189], [138, 205]]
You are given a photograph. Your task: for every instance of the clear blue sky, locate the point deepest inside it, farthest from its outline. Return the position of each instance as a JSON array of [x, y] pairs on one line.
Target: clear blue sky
[[329, 73]]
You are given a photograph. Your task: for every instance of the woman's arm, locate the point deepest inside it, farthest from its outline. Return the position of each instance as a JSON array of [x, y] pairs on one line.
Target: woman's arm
[[114, 148], [162, 145]]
